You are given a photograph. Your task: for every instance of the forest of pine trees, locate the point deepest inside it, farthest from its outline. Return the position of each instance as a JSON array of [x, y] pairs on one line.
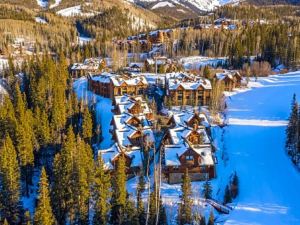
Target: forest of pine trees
[[292, 144]]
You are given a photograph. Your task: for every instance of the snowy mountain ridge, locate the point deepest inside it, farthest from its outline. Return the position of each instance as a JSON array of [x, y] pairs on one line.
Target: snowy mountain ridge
[[194, 5]]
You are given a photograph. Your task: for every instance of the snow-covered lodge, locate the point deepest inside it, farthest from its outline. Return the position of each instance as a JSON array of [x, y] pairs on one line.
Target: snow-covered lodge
[[131, 128], [187, 89], [90, 65], [186, 145], [230, 79], [110, 85]]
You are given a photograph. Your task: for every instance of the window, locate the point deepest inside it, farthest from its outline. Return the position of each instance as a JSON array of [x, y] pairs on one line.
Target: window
[[189, 157], [179, 98], [140, 91]]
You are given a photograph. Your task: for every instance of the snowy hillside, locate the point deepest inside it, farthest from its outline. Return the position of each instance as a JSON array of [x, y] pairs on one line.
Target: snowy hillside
[[254, 146], [194, 5]]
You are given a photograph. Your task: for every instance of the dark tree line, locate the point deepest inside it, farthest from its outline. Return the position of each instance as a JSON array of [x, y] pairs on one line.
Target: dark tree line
[[292, 144]]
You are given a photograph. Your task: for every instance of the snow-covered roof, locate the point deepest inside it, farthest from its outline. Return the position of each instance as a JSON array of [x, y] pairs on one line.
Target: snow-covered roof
[[126, 102], [183, 117], [108, 155], [173, 152], [123, 119], [187, 81], [180, 134], [227, 74], [123, 135]]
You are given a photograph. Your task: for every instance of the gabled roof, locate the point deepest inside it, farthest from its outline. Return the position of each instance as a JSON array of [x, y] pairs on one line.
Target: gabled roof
[[183, 117], [187, 81], [179, 134], [174, 152]]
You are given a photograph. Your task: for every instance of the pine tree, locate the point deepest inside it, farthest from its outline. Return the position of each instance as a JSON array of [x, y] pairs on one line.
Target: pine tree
[[87, 125], [211, 219], [8, 119], [202, 220], [140, 205], [101, 194], [234, 189], [5, 222], [185, 207], [10, 182], [119, 193], [25, 137], [206, 72], [207, 190], [162, 214], [81, 182], [43, 213], [26, 218], [42, 127], [62, 195], [292, 131], [227, 195]]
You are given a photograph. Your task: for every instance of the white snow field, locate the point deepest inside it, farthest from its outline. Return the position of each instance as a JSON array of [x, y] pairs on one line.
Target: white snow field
[[254, 144]]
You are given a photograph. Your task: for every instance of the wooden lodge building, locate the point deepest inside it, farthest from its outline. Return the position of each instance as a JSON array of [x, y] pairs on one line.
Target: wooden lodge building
[[111, 85], [131, 129], [198, 159], [186, 145], [133, 159], [184, 89], [89, 66], [230, 79]]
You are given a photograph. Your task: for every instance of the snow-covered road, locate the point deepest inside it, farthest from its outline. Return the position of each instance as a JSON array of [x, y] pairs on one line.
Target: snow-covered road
[[254, 140]]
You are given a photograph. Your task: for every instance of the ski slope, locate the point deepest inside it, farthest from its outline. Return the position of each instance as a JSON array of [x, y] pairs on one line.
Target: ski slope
[[254, 143]]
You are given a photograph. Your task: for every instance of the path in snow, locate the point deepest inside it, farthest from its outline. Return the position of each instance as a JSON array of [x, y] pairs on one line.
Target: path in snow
[[255, 137]]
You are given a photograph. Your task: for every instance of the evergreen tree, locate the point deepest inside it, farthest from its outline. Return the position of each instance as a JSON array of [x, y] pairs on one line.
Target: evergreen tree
[[10, 182], [119, 193], [5, 222], [101, 193], [202, 220], [26, 218], [42, 127], [227, 195], [25, 137], [185, 207], [211, 219], [292, 131], [8, 119], [62, 195], [43, 213], [162, 214], [87, 125], [140, 205], [206, 72], [234, 189], [207, 190]]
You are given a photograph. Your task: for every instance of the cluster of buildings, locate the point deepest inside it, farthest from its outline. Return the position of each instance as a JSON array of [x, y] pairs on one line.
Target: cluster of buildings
[[90, 65], [186, 144], [131, 128]]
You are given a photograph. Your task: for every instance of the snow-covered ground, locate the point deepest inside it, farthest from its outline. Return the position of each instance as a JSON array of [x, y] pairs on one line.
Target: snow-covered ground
[[73, 11], [195, 62], [40, 20], [162, 4], [254, 147], [103, 107]]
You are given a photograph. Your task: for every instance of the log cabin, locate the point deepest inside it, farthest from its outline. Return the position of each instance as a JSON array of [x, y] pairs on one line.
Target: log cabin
[[184, 89], [188, 118], [134, 105], [89, 66], [133, 159], [230, 79], [197, 159], [110, 85]]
